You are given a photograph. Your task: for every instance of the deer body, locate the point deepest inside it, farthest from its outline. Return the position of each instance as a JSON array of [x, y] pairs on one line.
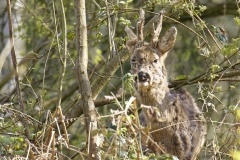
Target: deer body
[[177, 127]]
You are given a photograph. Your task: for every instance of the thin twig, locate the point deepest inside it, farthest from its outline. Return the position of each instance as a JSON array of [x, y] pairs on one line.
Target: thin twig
[[58, 46], [36, 16], [112, 47], [219, 48], [180, 24], [64, 59], [7, 108]]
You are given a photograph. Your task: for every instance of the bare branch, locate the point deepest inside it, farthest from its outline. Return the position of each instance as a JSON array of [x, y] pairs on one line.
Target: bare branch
[[64, 59], [15, 66], [83, 81], [229, 76]]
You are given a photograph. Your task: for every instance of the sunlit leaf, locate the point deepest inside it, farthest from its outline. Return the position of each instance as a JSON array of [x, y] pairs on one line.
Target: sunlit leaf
[[122, 2], [235, 154], [238, 113], [219, 88], [181, 77]]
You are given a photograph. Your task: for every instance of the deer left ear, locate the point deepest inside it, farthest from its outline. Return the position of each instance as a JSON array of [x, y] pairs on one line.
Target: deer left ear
[[132, 39], [131, 45], [168, 40]]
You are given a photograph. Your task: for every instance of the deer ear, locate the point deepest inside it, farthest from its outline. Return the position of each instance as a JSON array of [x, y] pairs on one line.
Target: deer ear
[[132, 39], [131, 45], [168, 40]]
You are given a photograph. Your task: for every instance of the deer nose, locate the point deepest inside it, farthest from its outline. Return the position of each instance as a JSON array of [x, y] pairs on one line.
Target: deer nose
[[143, 77]]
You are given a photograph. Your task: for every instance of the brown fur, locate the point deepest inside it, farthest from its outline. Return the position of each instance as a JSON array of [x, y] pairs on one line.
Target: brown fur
[[177, 125]]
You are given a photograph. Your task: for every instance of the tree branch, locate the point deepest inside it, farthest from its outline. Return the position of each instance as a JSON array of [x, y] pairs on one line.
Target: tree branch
[[205, 78], [83, 81], [15, 66], [64, 59], [213, 10]]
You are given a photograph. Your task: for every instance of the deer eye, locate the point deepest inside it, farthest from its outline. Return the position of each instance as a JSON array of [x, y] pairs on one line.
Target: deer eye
[[155, 61], [133, 61]]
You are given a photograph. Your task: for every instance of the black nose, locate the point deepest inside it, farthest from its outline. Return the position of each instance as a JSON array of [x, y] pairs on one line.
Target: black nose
[[142, 77]]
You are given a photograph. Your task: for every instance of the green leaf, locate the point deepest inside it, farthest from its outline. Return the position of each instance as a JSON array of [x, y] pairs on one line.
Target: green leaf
[[6, 140], [20, 152], [95, 132], [124, 21], [20, 139], [218, 88], [123, 129], [235, 154], [181, 77], [237, 21], [232, 107], [122, 2], [232, 87], [202, 8], [71, 35], [215, 68]]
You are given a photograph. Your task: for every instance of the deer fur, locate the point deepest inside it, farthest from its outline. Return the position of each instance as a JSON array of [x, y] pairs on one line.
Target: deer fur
[[176, 123]]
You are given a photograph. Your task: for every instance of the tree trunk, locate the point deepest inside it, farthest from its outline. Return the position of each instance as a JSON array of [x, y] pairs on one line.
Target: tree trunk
[[83, 81]]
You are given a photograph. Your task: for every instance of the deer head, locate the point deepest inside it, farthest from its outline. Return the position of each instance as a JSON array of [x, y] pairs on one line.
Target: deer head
[[147, 59]]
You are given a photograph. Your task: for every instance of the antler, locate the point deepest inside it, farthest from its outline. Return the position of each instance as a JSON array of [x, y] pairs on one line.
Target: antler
[[140, 24], [164, 44], [136, 41], [156, 32]]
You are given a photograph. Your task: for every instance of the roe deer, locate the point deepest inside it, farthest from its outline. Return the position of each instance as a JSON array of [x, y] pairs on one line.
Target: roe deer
[[176, 123]]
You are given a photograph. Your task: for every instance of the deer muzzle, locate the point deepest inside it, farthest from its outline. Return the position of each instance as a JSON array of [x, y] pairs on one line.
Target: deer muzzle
[[142, 79]]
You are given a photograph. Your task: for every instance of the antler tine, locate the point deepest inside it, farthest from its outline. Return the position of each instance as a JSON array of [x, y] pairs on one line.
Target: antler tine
[[156, 32], [140, 24]]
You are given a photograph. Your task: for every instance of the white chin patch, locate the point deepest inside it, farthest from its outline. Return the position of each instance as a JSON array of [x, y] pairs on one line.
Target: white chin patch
[[143, 84]]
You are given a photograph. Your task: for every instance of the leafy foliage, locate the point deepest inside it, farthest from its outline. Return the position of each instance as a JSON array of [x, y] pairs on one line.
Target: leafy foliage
[[205, 60]]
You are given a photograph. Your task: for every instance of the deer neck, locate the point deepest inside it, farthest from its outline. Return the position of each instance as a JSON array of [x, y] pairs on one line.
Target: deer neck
[[154, 96]]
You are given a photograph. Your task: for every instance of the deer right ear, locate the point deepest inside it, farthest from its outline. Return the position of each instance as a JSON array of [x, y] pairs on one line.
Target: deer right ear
[[168, 40], [132, 39]]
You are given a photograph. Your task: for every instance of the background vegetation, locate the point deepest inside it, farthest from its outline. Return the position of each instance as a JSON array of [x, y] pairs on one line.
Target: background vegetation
[[42, 118]]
